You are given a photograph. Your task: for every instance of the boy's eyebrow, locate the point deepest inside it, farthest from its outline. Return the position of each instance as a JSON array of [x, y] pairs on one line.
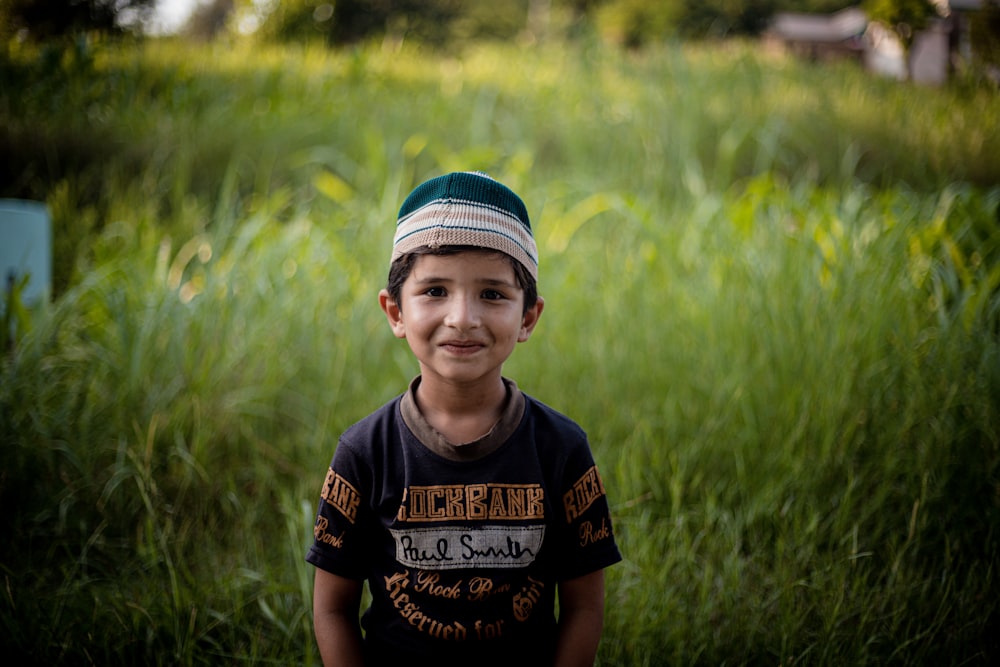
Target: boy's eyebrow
[[500, 282], [483, 281]]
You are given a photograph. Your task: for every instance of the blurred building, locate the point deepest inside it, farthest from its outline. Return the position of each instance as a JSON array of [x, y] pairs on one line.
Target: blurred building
[[848, 34], [821, 36]]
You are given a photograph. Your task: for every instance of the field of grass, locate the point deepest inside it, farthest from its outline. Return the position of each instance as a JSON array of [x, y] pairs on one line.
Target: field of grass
[[772, 300]]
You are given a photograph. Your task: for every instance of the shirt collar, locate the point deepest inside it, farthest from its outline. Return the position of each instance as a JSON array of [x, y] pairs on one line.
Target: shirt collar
[[510, 419]]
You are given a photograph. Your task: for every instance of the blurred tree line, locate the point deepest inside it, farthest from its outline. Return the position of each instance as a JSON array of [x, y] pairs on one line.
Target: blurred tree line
[[630, 22], [440, 23], [339, 22]]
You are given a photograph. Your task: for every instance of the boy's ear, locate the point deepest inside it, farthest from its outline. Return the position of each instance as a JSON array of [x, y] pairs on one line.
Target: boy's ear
[[530, 320], [393, 313]]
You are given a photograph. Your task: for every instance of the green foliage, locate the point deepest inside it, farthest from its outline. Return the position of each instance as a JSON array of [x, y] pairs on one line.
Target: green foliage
[[814, 6], [14, 316], [723, 17], [773, 301], [438, 22], [47, 19], [984, 34], [634, 23]]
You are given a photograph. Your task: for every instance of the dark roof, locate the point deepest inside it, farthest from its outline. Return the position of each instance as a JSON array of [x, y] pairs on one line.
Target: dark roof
[[836, 27], [965, 4]]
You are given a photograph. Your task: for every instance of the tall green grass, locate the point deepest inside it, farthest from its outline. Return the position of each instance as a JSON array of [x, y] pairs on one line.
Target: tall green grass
[[772, 299]]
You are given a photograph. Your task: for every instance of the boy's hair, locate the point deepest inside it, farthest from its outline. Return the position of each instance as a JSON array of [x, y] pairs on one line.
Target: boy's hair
[[468, 209], [401, 267]]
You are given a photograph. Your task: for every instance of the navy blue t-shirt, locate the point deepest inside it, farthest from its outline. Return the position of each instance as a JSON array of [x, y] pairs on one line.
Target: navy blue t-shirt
[[462, 557]]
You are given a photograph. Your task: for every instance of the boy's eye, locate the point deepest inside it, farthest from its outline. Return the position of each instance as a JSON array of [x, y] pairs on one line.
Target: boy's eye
[[434, 291], [492, 295]]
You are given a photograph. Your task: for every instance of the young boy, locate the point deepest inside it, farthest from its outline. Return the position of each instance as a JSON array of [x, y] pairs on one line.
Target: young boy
[[470, 508]]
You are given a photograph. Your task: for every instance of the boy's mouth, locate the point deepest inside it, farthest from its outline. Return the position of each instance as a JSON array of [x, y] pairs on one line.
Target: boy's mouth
[[462, 346]]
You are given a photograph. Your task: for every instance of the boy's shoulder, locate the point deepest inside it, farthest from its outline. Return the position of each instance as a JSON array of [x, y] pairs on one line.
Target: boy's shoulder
[[544, 411], [380, 421]]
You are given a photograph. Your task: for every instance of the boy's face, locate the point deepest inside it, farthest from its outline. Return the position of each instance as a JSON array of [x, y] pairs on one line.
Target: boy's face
[[462, 314]]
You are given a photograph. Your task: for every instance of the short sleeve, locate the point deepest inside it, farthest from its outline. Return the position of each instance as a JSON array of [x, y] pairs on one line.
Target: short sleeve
[[587, 536], [340, 543]]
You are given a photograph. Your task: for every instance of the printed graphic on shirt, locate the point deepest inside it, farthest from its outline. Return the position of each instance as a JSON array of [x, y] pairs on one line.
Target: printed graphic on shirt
[[590, 534], [582, 495], [479, 541], [404, 587], [448, 548], [398, 587], [323, 536], [341, 495], [472, 502]]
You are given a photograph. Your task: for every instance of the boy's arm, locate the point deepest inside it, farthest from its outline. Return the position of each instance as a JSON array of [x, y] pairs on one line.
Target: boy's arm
[[581, 620], [336, 602]]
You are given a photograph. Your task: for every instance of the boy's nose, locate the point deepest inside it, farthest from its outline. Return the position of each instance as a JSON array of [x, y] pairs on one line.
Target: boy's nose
[[463, 314]]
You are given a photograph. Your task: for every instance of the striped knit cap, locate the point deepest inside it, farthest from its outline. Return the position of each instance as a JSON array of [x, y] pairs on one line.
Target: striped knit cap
[[466, 209]]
